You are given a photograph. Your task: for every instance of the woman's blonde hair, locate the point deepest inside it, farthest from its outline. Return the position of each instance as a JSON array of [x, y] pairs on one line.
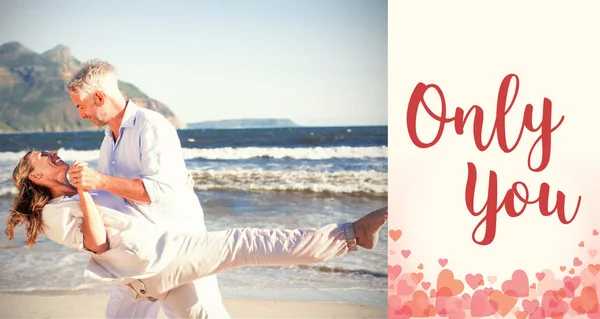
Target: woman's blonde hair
[[27, 207]]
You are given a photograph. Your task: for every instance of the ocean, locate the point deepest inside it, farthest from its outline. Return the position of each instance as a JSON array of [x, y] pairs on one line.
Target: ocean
[[268, 178]]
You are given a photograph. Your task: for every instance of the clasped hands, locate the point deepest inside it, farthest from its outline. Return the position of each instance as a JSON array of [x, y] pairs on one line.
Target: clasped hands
[[86, 178]]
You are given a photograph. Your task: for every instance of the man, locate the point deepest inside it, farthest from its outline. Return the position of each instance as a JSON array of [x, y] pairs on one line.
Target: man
[[141, 162]]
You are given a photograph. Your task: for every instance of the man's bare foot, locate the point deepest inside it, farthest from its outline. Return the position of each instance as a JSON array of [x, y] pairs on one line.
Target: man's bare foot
[[367, 228]]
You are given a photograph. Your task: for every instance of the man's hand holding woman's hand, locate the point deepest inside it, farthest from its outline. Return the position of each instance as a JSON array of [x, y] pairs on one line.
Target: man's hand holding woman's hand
[[85, 178]]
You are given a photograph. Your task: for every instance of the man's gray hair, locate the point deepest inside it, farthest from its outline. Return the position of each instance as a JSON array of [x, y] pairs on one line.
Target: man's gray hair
[[93, 75]]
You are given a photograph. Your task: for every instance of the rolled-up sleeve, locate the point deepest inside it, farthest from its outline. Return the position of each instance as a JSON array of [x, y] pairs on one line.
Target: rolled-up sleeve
[[159, 151], [62, 224]]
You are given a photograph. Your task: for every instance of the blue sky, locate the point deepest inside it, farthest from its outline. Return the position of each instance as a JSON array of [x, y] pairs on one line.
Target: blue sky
[[317, 62]]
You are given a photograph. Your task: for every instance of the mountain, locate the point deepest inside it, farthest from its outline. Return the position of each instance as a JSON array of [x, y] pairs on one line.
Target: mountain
[[243, 123], [32, 95]]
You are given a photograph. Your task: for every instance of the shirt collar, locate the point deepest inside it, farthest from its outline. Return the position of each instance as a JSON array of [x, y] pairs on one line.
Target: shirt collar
[[128, 119]]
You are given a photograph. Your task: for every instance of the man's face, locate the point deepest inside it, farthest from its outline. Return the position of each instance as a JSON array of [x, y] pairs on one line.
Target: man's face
[[89, 109]]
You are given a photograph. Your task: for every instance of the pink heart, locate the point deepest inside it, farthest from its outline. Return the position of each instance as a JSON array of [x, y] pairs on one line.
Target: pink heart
[[481, 305], [404, 289], [425, 285], [539, 313], [593, 252], [394, 272], [394, 302], [540, 276], [571, 284], [530, 306], [406, 253], [457, 315], [404, 312], [488, 291], [474, 280], [466, 299], [445, 306], [518, 286], [551, 305], [392, 252], [577, 262], [432, 293], [595, 232], [443, 262]]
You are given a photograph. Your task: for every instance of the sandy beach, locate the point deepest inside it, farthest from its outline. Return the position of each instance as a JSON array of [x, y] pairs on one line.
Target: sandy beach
[[21, 305]]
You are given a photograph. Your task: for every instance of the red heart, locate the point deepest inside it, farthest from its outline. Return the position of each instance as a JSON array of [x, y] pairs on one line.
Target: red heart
[[448, 286], [520, 314], [577, 262], [571, 285], [587, 302], [505, 303], [562, 268], [416, 277], [533, 285], [559, 294], [395, 234], [420, 306]]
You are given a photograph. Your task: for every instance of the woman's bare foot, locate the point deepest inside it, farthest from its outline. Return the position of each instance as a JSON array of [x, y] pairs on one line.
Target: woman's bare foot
[[367, 228]]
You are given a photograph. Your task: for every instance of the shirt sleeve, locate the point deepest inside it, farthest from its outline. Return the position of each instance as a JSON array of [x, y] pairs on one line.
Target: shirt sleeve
[[62, 224], [161, 157]]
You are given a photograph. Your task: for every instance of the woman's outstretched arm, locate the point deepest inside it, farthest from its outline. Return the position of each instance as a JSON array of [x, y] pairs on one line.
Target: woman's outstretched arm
[[95, 237], [92, 227]]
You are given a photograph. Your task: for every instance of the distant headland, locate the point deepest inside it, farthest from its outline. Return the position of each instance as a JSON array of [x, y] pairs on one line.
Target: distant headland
[[32, 96], [243, 123]]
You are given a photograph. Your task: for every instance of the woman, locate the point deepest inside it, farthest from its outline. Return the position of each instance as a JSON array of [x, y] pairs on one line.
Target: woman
[[152, 260]]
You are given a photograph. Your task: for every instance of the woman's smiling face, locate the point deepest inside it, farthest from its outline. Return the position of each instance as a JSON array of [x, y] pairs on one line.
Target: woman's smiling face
[[46, 165]]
